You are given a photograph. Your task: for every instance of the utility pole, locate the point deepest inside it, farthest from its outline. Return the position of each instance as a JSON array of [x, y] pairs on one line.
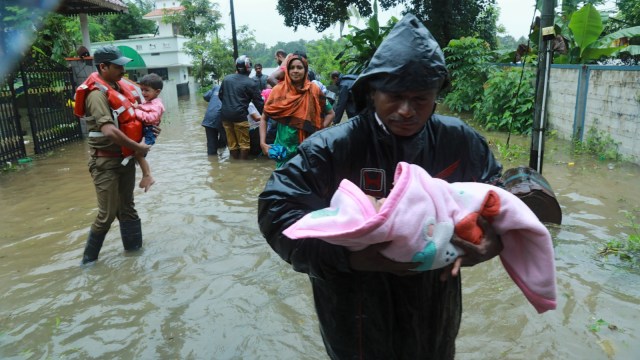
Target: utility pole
[[545, 55], [233, 32]]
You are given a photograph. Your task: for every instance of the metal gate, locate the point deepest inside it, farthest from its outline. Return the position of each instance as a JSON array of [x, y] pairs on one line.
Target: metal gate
[[49, 90], [11, 139]]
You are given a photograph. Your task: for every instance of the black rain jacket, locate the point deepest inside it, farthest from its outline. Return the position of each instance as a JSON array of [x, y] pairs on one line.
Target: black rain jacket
[[236, 92], [372, 315]]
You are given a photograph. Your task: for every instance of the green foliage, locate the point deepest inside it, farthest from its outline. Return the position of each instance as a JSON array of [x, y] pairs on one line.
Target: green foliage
[[59, 37], [445, 19], [511, 152], [8, 167], [97, 31], [629, 11], [131, 23], [207, 15], [322, 13], [487, 27], [586, 26], [467, 60], [507, 51], [626, 249], [501, 108], [246, 41], [16, 17], [448, 20], [509, 43], [598, 143], [200, 22], [322, 57], [583, 29], [260, 53], [595, 327], [211, 57], [363, 43]]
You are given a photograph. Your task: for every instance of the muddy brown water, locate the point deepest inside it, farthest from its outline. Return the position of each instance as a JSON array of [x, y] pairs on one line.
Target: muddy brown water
[[207, 286]]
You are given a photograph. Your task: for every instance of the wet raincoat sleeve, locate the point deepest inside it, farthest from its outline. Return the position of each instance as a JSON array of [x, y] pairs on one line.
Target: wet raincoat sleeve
[[301, 186], [207, 95]]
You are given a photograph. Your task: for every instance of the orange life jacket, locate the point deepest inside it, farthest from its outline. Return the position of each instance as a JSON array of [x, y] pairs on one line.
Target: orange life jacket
[[121, 104]]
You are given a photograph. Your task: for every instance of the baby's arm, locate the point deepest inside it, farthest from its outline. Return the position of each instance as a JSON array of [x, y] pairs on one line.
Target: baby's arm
[[147, 180]]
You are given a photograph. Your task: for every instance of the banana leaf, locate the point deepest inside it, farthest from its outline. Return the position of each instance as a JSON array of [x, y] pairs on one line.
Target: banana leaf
[[626, 32], [596, 53], [586, 26], [631, 49]]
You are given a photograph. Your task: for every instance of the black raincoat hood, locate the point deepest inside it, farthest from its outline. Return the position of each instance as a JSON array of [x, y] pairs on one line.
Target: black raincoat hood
[[409, 58]]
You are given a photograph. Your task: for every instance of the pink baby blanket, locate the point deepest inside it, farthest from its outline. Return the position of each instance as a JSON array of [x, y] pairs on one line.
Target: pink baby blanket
[[421, 215]]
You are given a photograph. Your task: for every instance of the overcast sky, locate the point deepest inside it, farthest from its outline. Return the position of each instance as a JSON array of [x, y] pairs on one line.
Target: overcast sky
[[269, 28]]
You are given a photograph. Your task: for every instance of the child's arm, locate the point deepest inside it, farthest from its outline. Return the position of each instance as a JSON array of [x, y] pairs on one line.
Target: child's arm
[[263, 134], [328, 119], [147, 180]]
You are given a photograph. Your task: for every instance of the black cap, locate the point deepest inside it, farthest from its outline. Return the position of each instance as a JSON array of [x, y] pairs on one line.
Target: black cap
[[110, 54]]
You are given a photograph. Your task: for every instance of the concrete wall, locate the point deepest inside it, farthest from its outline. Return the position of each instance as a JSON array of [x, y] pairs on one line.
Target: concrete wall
[[561, 107], [604, 97]]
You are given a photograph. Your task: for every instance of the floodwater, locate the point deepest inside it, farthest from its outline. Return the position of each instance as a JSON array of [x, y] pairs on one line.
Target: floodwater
[[207, 286]]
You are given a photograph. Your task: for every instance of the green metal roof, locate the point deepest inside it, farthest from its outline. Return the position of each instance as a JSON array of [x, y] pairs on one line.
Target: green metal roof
[[137, 60]]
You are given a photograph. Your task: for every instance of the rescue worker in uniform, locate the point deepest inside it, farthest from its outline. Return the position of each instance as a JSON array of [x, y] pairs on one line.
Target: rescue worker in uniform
[[370, 307], [101, 97]]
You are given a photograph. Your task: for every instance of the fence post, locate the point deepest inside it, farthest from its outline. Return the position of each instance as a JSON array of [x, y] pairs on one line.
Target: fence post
[[581, 103]]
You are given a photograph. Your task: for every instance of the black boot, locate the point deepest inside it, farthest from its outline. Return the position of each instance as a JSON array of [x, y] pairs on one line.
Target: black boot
[[92, 249], [131, 232]]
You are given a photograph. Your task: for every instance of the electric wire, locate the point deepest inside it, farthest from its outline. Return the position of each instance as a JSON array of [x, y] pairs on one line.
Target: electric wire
[[524, 61]]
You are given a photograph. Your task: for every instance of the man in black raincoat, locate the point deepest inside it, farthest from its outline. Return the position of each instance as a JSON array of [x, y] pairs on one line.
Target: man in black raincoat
[[370, 307]]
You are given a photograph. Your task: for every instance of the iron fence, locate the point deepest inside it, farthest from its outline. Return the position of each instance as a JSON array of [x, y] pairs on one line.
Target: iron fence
[[49, 90], [11, 136]]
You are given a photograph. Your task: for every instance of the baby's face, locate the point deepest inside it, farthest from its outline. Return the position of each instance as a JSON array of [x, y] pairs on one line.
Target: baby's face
[[377, 203], [149, 93]]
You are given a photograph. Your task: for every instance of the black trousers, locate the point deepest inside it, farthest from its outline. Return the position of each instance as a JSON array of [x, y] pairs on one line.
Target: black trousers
[[216, 139]]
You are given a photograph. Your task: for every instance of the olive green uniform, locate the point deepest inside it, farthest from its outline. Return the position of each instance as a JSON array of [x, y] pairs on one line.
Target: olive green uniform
[[113, 181]]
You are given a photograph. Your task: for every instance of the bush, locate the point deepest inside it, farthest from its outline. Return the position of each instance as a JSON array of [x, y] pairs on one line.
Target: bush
[[598, 143], [500, 108], [467, 60]]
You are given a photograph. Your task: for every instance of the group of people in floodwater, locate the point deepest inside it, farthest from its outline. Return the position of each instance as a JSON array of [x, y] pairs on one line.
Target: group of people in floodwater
[[271, 115]]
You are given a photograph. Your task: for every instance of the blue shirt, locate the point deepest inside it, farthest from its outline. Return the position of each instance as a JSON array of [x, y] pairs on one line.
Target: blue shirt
[[212, 116]]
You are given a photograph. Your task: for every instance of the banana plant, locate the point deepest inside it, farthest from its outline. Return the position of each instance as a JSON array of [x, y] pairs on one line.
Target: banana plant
[[585, 40], [363, 43]]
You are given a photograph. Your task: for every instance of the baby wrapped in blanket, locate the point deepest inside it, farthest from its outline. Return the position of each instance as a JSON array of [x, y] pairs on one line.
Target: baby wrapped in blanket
[[420, 216]]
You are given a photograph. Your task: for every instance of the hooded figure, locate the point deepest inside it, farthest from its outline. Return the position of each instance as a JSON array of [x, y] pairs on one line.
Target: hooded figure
[[408, 52], [365, 309]]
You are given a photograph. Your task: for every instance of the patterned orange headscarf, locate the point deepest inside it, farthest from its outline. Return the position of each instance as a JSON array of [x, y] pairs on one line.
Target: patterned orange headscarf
[[300, 108]]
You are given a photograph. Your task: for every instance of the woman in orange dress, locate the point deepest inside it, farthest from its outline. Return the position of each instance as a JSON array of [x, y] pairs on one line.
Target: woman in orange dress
[[298, 106]]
